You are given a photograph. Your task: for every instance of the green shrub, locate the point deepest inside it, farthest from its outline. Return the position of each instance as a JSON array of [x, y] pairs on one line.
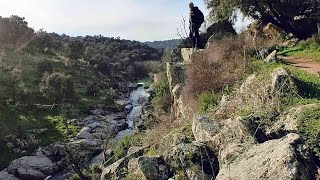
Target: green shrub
[[44, 66], [309, 49], [310, 129], [313, 42], [207, 102], [58, 88], [123, 146], [162, 89], [162, 97]]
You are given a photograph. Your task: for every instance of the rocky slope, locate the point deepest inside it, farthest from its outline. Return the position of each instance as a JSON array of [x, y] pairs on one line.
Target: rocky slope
[[84, 149], [237, 147]]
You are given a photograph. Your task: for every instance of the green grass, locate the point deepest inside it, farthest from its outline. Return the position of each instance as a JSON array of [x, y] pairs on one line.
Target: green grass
[[308, 92], [17, 122], [207, 102], [310, 129], [309, 49], [19, 91], [122, 147]]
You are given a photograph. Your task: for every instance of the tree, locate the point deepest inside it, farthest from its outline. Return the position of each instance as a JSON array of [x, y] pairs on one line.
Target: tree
[[15, 31], [58, 88], [76, 49], [294, 16]]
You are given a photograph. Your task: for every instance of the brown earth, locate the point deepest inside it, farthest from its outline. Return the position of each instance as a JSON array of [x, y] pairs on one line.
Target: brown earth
[[304, 64]]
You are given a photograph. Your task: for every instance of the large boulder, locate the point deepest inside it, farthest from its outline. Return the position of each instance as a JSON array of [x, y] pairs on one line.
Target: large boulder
[[32, 167], [115, 170], [188, 53], [274, 31], [227, 138], [196, 159], [4, 175], [275, 159], [215, 32], [148, 168], [175, 74], [281, 82], [288, 122], [272, 57]]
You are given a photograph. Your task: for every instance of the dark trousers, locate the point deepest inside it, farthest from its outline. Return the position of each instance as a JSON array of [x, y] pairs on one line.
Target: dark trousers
[[195, 36]]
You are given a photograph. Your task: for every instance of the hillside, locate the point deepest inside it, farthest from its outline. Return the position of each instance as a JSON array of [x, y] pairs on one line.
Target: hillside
[[216, 110], [173, 43], [47, 79]]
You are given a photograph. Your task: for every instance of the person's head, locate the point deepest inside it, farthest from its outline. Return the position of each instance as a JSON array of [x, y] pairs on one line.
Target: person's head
[[191, 5]]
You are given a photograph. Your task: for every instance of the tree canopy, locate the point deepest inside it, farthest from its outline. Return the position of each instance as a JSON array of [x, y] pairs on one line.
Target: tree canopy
[[294, 16]]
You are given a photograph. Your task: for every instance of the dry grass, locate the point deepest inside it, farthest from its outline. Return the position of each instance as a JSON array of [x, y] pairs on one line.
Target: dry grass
[[224, 63], [165, 127]]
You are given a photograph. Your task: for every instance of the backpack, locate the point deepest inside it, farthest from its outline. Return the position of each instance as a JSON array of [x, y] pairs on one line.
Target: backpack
[[199, 16]]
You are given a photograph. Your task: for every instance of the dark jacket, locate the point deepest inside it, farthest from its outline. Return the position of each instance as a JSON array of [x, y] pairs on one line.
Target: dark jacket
[[196, 17]]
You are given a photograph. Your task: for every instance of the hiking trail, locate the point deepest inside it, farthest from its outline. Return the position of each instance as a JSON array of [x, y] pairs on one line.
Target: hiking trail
[[304, 64]]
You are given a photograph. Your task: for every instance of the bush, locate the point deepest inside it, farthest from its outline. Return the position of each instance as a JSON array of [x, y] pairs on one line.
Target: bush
[[76, 49], [207, 102], [123, 146], [58, 88], [219, 66], [224, 62], [313, 42], [162, 97], [137, 70], [44, 66], [92, 89]]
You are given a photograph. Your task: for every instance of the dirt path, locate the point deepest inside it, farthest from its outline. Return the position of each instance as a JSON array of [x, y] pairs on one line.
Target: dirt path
[[303, 64]]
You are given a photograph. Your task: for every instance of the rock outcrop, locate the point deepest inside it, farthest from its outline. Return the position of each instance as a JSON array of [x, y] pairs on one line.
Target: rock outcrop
[[194, 159], [272, 57], [288, 122], [146, 168], [32, 167], [215, 32], [226, 137], [115, 170], [4, 175], [275, 159]]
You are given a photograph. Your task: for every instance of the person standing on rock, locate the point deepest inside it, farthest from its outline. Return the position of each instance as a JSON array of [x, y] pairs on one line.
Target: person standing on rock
[[196, 19]]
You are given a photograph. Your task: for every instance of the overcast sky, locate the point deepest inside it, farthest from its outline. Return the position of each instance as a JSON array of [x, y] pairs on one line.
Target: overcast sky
[[141, 20]]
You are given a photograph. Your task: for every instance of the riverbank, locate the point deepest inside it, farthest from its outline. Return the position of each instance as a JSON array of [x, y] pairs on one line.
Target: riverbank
[[86, 148]]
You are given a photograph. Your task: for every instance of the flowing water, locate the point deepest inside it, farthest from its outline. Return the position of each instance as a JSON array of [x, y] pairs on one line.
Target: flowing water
[[137, 99]]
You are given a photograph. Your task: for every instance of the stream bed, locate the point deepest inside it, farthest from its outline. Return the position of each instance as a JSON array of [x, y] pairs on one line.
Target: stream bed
[[133, 110]]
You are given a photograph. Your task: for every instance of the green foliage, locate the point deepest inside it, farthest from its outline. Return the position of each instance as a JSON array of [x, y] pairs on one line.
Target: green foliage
[[123, 146], [207, 102], [76, 48], [75, 177], [17, 121], [309, 49], [137, 70], [14, 31], [162, 98], [58, 88], [43, 62], [308, 84], [45, 66], [281, 13], [173, 43], [310, 129]]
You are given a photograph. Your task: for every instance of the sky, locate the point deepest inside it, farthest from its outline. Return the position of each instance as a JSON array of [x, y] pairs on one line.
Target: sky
[[143, 20]]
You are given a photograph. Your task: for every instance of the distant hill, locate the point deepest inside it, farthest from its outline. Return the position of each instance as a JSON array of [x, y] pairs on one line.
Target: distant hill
[[164, 44]]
